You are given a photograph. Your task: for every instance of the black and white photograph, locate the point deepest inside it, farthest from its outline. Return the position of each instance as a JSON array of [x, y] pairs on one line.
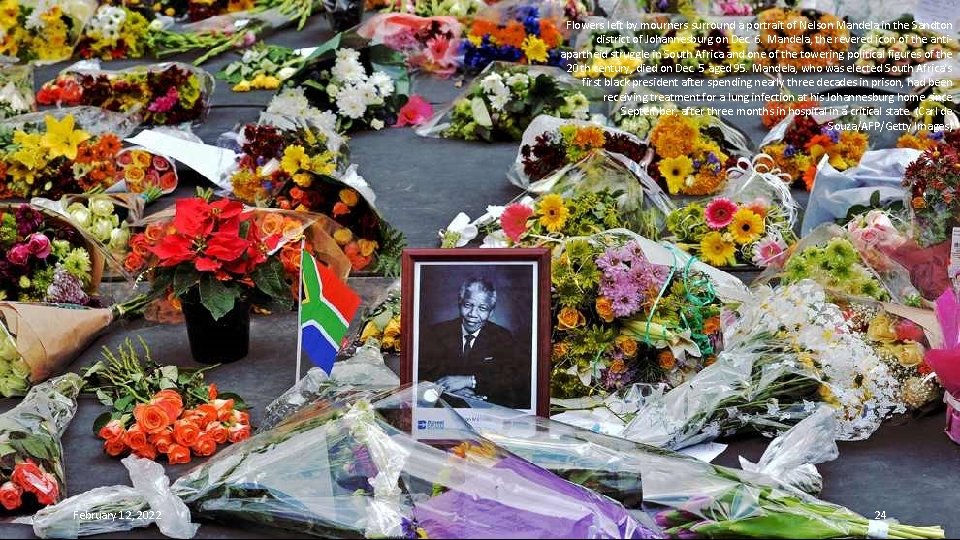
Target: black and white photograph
[[475, 326]]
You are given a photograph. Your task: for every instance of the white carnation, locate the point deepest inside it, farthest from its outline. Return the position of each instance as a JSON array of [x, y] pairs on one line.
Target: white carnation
[[351, 104]]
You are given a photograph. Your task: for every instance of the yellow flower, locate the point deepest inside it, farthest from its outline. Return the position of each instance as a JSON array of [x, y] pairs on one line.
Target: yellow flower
[[61, 139], [303, 179], [393, 327], [675, 171], [553, 214], [343, 236], [141, 158], [370, 331], [535, 49], [349, 197], [242, 86], [270, 83], [293, 156], [746, 226], [322, 164], [367, 247], [715, 250], [28, 154]]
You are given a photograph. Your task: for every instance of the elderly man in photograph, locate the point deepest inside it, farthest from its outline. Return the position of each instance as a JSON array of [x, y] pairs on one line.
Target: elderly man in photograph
[[473, 357]]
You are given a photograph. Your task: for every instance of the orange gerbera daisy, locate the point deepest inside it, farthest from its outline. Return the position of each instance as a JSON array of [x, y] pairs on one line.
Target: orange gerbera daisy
[[513, 34], [550, 34], [589, 137]]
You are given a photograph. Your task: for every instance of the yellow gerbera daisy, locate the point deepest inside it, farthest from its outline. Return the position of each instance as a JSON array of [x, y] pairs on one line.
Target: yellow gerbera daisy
[[746, 226], [717, 251], [553, 214], [675, 171], [535, 49]]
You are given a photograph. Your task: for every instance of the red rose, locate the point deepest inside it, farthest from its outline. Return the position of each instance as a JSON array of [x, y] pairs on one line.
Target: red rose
[[135, 437], [10, 495], [29, 476], [162, 441], [147, 452], [114, 447], [237, 433], [205, 446], [212, 391], [217, 432], [178, 454], [185, 433], [908, 331], [113, 430]]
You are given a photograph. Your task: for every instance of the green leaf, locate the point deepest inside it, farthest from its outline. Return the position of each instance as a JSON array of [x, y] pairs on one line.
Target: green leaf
[[875, 199], [167, 383], [123, 404], [218, 298], [105, 398], [101, 421], [269, 279], [170, 372], [34, 447], [184, 277]]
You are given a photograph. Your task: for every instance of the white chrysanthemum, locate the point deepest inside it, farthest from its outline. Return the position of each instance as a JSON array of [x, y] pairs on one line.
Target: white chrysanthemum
[[347, 55], [499, 100], [492, 83], [383, 82], [348, 70], [351, 104]]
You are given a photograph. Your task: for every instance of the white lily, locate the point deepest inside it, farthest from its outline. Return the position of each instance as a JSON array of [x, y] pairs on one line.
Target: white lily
[[459, 232]]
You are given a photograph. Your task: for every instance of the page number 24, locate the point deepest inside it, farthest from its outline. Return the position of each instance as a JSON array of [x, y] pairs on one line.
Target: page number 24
[[880, 514]]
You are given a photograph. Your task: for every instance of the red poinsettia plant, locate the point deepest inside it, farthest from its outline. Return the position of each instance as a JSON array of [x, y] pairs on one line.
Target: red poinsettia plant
[[218, 248]]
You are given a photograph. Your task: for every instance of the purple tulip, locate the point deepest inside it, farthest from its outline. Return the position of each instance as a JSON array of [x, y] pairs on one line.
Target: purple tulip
[[39, 245], [19, 255]]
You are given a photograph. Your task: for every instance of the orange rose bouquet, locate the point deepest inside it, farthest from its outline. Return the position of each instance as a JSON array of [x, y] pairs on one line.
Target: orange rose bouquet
[[162, 410]]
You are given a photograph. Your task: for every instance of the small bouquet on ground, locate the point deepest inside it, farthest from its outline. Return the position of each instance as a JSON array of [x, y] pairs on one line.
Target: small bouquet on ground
[[105, 218], [46, 258], [933, 196], [31, 452], [42, 32], [788, 349], [899, 337], [503, 100], [711, 52], [550, 144], [16, 91], [145, 173], [687, 496], [462, 9], [806, 40], [381, 322], [799, 142], [59, 152], [197, 10], [745, 225], [516, 31], [262, 67], [162, 94], [348, 466], [113, 33], [688, 159], [301, 166], [161, 409], [895, 52], [429, 44], [364, 88], [214, 35], [845, 264]]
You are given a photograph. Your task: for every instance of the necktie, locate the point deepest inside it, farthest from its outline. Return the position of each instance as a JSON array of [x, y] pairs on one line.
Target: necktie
[[467, 345]]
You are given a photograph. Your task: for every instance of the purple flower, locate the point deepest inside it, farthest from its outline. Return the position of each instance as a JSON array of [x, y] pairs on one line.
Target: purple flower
[[28, 220], [19, 255], [39, 245], [66, 289], [789, 151]]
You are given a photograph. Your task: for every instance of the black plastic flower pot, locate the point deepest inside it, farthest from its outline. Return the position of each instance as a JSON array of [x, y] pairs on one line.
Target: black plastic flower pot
[[220, 341]]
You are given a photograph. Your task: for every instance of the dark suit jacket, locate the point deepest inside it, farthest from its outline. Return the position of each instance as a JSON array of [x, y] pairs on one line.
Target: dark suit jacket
[[500, 363]]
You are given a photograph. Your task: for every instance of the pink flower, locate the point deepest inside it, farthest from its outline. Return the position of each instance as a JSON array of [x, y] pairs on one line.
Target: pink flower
[[514, 220], [719, 212], [165, 103], [767, 251], [19, 255], [39, 245], [415, 112], [248, 39]]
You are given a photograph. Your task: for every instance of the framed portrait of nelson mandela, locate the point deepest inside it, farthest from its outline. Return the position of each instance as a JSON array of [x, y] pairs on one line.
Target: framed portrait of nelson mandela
[[476, 323]]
